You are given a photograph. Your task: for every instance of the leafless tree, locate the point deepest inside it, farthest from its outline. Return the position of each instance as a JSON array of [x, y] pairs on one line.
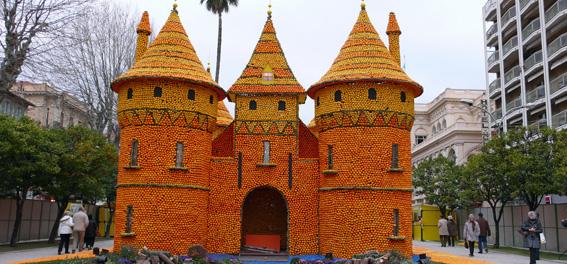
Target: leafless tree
[[27, 29], [102, 47]]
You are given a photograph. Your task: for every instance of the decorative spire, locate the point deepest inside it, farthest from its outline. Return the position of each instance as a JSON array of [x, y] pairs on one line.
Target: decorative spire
[[270, 10], [175, 6], [267, 72], [393, 26], [363, 5], [144, 26], [364, 57], [171, 56]]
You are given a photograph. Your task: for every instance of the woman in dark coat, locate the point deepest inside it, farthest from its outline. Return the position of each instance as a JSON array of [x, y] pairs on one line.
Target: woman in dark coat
[[532, 229]]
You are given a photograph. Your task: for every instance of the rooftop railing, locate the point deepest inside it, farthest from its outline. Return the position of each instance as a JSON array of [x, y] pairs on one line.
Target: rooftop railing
[[509, 15], [559, 83], [536, 94], [533, 60], [494, 85], [559, 43], [511, 74], [555, 9], [516, 103], [512, 43], [560, 119], [532, 27]]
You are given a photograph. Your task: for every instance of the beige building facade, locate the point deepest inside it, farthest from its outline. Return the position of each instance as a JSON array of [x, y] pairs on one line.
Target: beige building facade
[[52, 108], [448, 126]]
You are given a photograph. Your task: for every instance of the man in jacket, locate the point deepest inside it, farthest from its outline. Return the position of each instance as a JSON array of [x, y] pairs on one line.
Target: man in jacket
[[484, 232], [453, 231], [443, 231], [81, 222]]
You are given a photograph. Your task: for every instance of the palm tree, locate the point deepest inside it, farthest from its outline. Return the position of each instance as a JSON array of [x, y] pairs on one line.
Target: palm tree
[[218, 7]]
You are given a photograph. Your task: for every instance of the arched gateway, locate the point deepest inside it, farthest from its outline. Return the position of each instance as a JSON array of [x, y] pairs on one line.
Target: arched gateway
[[264, 221]]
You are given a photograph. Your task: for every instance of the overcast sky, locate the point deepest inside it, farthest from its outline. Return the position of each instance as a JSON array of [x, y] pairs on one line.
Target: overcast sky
[[442, 40]]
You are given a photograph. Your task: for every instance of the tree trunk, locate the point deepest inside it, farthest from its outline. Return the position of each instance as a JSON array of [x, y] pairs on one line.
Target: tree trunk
[[61, 206], [109, 223], [18, 223], [496, 226], [219, 46], [443, 210]]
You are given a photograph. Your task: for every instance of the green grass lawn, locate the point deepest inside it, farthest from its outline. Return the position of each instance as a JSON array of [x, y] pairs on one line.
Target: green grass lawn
[[525, 252]]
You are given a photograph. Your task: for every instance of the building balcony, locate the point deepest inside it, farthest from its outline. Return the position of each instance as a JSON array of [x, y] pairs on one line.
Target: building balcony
[[512, 75], [556, 49], [525, 4], [559, 86], [509, 17], [492, 61], [560, 120], [494, 88], [536, 94], [555, 12], [497, 114], [509, 46], [531, 30], [514, 104], [490, 9], [492, 36], [533, 62], [541, 123]]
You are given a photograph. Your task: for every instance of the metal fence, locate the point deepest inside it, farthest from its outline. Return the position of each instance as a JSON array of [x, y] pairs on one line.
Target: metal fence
[[38, 218], [513, 217]]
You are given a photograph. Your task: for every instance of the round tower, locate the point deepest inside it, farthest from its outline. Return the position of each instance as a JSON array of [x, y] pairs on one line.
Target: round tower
[[167, 110], [364, 112]]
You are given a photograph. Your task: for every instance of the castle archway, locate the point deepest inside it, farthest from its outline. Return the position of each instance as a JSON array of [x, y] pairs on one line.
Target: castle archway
[[265, 221]]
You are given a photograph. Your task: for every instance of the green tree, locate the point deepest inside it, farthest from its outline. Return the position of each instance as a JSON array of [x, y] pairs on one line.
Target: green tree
[[534, 163], [487, 178], [438, 179], [87, 163], [26, 161], [218, 7]]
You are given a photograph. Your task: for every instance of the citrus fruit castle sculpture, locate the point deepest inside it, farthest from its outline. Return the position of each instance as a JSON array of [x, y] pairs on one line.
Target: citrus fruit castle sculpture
[[189, 174]]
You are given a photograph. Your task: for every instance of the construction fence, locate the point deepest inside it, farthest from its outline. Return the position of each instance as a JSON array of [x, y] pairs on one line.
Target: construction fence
[[38, 217]]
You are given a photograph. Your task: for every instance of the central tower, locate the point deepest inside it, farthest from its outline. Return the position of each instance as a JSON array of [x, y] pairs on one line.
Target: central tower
[[364, 113]]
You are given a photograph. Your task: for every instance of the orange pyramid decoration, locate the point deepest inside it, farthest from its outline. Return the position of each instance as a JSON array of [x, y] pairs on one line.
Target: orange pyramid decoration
[[144, 26], [223, 116], [268, 56], [393, 26], [364, 57], [171, 57]]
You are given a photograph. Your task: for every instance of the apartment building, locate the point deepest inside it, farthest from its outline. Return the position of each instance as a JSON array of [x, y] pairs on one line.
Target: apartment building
[[526, 62]]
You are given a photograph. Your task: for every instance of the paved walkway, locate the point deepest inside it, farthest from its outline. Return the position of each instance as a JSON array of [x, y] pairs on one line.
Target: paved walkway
[[20, 255], [491, 257]]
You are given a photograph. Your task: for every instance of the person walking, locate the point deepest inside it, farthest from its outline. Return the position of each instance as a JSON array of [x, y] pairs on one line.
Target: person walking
[[81, 221], [531, 229], [65, 230], [443, 231], [470, 234], [484, 233], [90, 233], [453, 231]]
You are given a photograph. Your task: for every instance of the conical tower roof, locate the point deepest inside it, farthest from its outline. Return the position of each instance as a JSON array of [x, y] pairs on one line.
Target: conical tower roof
[[171, 56], [223, 116], [144, 26], [393, 26], [268, 56], [364, 57]]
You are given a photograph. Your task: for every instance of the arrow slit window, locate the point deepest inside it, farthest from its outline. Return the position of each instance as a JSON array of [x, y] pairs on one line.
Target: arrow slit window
[[179, 155], [266, 159], [134, 153]]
